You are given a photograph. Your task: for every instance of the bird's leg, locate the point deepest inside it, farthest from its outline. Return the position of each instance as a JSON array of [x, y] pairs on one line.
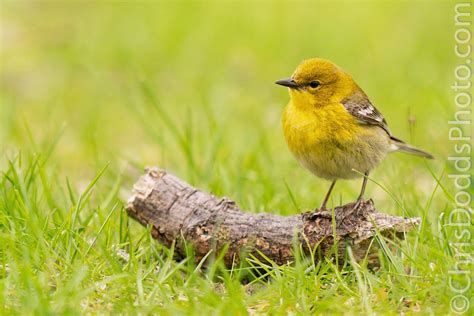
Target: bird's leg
[[362, 191], [326, 198]]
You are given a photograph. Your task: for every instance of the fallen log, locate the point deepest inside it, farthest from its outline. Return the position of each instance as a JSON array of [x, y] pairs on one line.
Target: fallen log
[[180, 214]]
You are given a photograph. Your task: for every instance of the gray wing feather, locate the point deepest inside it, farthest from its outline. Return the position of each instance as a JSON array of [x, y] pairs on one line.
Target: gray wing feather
[[364, 111]]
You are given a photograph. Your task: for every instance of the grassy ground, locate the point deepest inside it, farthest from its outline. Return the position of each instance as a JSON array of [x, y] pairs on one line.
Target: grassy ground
[[93, 93]]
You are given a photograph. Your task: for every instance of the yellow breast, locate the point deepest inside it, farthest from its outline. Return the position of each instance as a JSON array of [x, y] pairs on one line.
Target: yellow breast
[[329, 125], [330, 143]]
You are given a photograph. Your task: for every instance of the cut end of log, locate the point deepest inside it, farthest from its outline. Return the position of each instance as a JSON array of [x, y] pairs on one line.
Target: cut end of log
[[177, 212]]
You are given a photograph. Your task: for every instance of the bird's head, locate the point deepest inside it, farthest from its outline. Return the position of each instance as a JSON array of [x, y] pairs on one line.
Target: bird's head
[[317, 82]]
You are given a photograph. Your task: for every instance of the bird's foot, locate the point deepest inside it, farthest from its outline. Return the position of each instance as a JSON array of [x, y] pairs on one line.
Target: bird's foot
[[323, 212], [358, 204], [322, 208], [340, 213], [343, 213], [355, 208]]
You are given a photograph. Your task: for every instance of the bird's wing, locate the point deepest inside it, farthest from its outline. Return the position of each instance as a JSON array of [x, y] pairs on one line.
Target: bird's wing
[[359, 105]]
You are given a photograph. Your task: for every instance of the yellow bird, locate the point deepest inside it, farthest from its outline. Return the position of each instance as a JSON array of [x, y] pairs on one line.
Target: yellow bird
[[332, 128]]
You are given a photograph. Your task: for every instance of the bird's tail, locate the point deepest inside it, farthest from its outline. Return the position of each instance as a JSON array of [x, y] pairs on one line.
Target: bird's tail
[[405, 148]]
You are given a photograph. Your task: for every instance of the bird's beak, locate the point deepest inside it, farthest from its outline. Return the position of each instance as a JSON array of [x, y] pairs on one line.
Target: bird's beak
[[290, 83]]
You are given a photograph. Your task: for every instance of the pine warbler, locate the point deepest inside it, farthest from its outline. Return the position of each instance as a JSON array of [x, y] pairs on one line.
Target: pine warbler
[[332, 128]]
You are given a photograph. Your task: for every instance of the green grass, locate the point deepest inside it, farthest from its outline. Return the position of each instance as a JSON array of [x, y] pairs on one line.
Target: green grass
[[92, 93]]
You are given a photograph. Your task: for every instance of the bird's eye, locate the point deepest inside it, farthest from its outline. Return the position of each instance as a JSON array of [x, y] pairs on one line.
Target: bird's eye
[[314, 84]]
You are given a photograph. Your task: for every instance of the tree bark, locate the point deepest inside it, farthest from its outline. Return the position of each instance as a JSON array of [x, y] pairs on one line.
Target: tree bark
[[181, 214]]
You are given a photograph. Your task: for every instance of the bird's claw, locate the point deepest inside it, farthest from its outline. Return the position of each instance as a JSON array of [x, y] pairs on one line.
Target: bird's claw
[[322, 212], [355, 208], [341, 214], [358, 204]]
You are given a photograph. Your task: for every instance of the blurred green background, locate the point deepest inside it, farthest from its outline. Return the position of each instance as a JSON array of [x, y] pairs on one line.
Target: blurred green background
[[189, 86], [84, 69]]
